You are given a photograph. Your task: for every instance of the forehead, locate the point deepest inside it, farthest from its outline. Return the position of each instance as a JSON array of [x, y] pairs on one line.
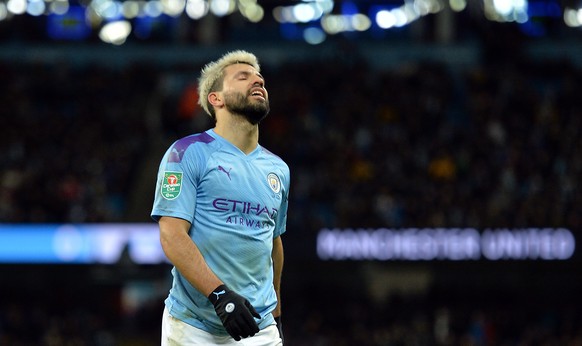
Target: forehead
[[240, 68]]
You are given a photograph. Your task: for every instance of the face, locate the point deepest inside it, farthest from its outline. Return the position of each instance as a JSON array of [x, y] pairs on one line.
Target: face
[[244, 93]]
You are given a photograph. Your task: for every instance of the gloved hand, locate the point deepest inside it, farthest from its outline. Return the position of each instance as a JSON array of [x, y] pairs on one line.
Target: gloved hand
[[235, 312], [280, 327]]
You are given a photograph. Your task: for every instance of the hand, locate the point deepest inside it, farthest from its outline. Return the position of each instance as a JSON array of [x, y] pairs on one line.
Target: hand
[[235, 312], [280, 328]]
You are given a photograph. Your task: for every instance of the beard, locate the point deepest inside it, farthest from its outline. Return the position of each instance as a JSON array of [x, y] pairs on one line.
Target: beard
[[253, 112]]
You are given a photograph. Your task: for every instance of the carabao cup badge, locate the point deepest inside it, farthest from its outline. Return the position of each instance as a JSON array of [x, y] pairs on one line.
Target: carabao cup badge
[[171, 185], [274, 182]]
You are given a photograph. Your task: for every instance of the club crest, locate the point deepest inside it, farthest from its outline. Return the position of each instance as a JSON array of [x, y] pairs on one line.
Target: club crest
[[274, 182]]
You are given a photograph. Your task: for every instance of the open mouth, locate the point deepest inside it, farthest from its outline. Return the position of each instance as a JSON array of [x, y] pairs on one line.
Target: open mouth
[[260, 93]]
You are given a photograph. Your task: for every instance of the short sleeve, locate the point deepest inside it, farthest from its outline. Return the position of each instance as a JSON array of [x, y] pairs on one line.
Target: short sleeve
[[175, 193]]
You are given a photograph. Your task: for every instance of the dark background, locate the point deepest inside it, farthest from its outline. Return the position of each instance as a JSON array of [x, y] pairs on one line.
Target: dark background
[[452, 121]]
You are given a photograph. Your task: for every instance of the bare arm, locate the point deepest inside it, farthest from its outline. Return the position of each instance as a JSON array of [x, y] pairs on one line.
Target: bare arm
[[278, 259], [185, 255]]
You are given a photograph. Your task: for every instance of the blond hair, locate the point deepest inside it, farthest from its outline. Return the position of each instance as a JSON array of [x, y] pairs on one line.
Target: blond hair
[[212, 75]]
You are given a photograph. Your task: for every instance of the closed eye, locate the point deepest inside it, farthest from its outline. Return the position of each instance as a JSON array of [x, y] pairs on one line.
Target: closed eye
[[243, 75]]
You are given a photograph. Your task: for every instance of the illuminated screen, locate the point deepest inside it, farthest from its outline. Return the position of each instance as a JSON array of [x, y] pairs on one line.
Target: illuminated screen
[[108, 243], [81, 244], [455, 244]]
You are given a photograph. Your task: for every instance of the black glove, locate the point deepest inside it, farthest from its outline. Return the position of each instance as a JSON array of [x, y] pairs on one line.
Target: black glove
[[280, 327], [235, 312]]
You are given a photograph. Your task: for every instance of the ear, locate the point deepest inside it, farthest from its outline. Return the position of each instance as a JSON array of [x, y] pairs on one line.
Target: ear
[[215, 99]]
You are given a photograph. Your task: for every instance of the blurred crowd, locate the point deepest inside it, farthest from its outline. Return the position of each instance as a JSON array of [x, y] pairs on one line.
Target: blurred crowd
[[317, 316], [418, 145], [427, 145], [71, 140], [411, 322]]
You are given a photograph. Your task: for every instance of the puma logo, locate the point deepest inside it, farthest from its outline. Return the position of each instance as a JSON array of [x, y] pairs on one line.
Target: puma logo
[[218, 294], [220, 168]]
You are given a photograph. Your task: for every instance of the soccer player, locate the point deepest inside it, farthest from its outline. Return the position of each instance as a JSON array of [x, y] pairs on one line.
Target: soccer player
[[221, 205]]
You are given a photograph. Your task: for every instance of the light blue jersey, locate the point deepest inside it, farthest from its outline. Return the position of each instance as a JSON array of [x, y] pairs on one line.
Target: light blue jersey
[[236, 204]]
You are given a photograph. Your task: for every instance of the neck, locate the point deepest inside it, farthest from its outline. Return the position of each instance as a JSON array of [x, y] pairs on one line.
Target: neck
[[239, 132]]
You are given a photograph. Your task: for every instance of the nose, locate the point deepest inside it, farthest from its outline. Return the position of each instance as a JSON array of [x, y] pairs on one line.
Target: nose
[[259, 81]]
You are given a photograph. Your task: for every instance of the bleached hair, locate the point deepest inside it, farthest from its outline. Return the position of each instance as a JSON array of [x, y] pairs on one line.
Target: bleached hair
[[212, 75]]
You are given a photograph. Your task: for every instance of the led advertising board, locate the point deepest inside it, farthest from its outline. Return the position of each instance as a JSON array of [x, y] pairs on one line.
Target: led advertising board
[[80, 244], [425, 244], [108, 243]]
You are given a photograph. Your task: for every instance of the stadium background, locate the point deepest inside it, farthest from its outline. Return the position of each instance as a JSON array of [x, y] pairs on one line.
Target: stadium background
[[447, 115]]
